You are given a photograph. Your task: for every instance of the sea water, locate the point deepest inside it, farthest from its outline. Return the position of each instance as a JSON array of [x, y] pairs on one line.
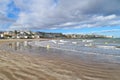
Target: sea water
[[106, 49]]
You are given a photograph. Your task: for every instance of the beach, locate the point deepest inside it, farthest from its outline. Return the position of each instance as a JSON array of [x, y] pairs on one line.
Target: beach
[[15, 65]]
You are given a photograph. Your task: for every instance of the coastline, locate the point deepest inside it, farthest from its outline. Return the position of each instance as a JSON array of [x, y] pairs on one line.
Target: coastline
[[15, 40], [28, 67]]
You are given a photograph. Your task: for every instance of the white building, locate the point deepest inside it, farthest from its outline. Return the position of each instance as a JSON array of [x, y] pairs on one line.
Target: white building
[[2, 35]]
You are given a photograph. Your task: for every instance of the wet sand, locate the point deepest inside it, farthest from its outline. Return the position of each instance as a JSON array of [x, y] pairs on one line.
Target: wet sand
[[53, 67]]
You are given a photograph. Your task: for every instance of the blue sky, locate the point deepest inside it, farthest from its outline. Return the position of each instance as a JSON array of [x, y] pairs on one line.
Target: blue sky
[[66, 16], [12, 10]]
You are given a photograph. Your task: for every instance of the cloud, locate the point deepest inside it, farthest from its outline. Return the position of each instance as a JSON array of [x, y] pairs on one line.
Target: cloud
[[3, 6], [107, 31], [113, 30], [55, 14], [4, 19]]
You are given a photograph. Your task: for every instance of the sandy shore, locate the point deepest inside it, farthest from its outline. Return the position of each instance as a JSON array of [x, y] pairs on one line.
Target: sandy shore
[[28, 67]]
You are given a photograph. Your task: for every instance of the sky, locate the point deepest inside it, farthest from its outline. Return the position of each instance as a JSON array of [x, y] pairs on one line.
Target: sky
[[65, 16]]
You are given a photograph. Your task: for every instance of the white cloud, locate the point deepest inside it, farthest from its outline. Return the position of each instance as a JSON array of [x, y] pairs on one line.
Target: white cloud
[[109, 17], [51, 14], [4, 20], [3, 6], [107, 31]]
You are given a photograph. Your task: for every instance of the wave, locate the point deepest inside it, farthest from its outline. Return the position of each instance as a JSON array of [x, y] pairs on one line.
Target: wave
[[54, 41], [63, 41], [75, 48], [87, 40], [74, 42], [108, 47]]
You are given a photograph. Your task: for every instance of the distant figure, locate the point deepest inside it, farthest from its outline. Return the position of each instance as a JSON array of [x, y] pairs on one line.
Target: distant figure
[[10, 45], [106, 42], [48, 46]]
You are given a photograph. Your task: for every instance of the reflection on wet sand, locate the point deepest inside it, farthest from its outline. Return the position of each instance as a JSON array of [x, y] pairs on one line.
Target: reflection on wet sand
[[50, 64], [15, 45], [19, 45]]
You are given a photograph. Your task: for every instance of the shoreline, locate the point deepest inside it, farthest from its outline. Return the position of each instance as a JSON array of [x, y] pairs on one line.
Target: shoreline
[[11, 40], [28, 67]]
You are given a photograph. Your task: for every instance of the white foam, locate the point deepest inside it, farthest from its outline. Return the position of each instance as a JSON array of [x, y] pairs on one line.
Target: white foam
[[63, 41], [106, 47], [87, 40], [90, 44], [60, 43], [54, 41], [74, 42]]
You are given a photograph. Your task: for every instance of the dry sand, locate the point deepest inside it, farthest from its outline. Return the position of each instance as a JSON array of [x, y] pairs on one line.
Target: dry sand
[[28, 67]]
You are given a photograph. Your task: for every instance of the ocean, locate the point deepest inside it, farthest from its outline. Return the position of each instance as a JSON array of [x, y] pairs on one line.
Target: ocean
[[103, 49], [98, 50]]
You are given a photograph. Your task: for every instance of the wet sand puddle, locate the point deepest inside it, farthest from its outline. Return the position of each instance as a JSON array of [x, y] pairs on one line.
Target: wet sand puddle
[[20, 61]]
